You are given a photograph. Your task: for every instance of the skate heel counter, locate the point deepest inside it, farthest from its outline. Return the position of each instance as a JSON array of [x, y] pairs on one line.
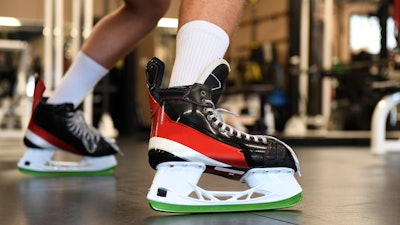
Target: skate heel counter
[[154, 76], [28, 143], [157, 156], [154, 73], [38, 94], [154, 106], [37, 98]]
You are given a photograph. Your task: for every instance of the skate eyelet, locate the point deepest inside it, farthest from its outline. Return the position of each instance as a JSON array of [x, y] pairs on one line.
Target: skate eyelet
[[203, 93]]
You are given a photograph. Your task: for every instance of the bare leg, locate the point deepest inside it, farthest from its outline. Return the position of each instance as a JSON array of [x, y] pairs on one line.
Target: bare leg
[[119, 32], [223, 13], [111, 39]]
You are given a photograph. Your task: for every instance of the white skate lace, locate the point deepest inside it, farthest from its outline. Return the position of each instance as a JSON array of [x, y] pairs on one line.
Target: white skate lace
[[214, 116], [216, 120], [79, 128]]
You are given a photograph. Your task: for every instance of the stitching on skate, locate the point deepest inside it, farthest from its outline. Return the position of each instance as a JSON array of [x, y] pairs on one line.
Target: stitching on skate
[[219, 83]]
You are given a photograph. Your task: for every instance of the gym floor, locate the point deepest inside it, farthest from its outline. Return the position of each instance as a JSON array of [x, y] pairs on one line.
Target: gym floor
[[342, 185]]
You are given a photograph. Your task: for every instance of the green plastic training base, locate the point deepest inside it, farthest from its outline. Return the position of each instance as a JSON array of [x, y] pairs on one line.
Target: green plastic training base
[[67, 173], [165, 207]]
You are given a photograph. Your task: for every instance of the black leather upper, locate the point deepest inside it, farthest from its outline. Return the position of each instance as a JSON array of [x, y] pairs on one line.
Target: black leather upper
[[187, 105], [53, 119]]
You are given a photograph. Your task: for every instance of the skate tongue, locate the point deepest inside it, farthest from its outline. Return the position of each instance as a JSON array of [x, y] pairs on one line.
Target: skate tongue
[[214, 77]]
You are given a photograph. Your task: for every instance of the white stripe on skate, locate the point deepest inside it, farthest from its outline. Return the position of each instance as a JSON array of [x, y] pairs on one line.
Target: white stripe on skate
[[182, 151], [37, 140]]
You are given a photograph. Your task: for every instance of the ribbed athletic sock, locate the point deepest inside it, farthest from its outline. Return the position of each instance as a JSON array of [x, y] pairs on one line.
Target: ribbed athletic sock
[[198, 43], [79, 81]]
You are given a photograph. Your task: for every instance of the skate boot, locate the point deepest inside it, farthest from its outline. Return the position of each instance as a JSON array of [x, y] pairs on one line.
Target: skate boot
[[189, 137], [61, 127]]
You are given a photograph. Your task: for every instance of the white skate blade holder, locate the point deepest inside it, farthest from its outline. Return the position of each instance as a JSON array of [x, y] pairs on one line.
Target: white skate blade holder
[[175, 189], [39, 162]]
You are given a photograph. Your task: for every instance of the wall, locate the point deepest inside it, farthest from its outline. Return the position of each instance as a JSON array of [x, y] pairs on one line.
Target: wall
[[33, 10], [272, 26], [343, 13]]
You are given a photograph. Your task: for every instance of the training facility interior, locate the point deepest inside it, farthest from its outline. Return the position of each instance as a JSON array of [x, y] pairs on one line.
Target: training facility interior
[[321, 75]]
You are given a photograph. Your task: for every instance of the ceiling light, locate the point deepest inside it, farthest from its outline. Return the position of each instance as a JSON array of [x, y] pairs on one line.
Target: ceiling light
[[168, 22], [9, 22]]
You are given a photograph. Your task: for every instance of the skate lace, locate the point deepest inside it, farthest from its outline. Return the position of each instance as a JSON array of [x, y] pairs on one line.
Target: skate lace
[[89, 136], [215, 118]]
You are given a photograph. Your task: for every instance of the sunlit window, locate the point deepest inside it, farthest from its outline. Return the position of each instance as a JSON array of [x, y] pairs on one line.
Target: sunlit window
[[365, 34]]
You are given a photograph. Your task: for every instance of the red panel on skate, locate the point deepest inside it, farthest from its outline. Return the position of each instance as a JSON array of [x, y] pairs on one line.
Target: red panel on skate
[[39, 90], [164, 127], [51, 138]]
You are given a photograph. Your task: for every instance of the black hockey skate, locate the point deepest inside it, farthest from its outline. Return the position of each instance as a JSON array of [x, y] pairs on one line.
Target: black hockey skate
[[61, 127], [189, 137]]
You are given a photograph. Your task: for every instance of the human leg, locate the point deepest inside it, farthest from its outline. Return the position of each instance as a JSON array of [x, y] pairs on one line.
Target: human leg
[[189, 136], [111, 39], [203, 36], [57, 124]]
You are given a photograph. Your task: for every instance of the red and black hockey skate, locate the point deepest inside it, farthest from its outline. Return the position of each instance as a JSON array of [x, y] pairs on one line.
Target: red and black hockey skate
[[189, 137], [61, 127]]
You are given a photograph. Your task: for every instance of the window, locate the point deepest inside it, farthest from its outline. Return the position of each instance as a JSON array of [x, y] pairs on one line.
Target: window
[[365, 34]]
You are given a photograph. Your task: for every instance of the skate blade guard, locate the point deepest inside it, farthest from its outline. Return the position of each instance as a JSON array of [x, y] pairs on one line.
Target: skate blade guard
[[175, 189], [39, 162]]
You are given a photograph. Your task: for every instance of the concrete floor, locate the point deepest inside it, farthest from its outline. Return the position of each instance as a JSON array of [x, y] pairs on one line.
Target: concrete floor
[[342, 185]]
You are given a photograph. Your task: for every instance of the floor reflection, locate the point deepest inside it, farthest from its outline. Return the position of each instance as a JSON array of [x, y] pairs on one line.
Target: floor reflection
[[273, 217], [74, 200]]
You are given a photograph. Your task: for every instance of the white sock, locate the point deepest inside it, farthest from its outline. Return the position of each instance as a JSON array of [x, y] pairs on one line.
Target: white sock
[[198, 43], [79, 81]]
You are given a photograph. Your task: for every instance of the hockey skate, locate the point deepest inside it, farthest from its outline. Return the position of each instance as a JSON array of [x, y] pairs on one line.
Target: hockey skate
[[61, 127], [189, 137]]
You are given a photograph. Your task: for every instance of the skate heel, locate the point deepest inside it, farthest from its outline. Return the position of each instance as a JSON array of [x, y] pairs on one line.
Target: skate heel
[[173, 178], [272, 184], [39, 162], [34, 157]]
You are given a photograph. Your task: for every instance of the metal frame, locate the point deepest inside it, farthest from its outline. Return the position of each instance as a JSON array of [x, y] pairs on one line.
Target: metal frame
[[380, 144], [22, 76]]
